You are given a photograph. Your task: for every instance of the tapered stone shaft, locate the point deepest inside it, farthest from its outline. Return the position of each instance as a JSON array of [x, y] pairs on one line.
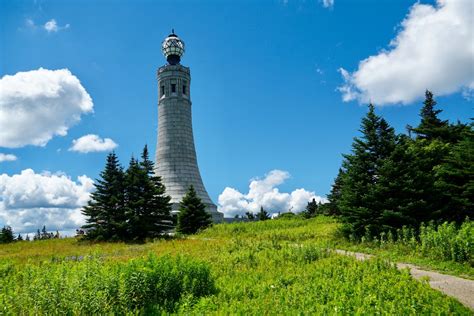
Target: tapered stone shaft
[[176, 161]]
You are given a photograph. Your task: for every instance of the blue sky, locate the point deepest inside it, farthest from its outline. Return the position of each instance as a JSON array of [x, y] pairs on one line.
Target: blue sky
[[267, 85]]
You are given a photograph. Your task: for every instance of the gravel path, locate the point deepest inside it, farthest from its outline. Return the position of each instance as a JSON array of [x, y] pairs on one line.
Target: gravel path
[[459, 288]]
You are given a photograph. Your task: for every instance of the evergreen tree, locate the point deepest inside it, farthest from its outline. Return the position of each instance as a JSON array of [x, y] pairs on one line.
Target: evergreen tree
[[105, 212], [157, 210], [311, 210], [192, 214], [19, 238], [148, 207], [37, 235], [455, 180], [44, 233], [27, 237], [404, 191], [332, 207], [430, 126], [250, 215], [357, 202], [6, 235], [262, 215], [134, 200]]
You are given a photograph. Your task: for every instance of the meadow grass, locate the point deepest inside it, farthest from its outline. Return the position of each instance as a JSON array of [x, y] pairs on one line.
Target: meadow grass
[[270, 267]]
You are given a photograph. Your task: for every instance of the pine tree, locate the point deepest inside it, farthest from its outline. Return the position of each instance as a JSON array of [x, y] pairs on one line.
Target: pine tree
[[357, 202], [19, 238], [105, 212], [262, 215], [312, 209], [134, 200], [431, 126], [250, 215], [455, 180], [192, 214], [157, 209], [148, 207], [44, 233], [332, 207], [404, 188], [27, 237], [6, 235]]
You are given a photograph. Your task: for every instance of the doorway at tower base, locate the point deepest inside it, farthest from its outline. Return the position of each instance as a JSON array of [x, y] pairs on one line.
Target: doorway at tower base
[[217, 217]]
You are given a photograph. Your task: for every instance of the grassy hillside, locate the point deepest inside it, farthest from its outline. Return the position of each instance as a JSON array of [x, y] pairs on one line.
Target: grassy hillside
[[272, 267]]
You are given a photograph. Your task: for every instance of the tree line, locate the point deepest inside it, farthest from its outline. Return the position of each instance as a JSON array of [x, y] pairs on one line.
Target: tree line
[[7, 235], [132, 204], [393, 180]]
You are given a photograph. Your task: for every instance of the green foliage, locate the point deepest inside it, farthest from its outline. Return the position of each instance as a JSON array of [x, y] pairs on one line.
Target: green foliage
[[91, 286], [312, 209], [444, 242], [390, 181], [334, 196], [448, 242], [262, 215], [192, 215], [6, 235], [255, 268], [357, 203], [105, 212], [455, 179], [129, 205]]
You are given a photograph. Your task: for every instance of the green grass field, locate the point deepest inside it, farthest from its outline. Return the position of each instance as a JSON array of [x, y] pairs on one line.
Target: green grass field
[[272, 267]]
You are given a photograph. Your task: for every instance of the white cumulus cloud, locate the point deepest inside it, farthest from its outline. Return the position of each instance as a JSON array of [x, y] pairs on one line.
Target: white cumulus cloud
[[434, 50], [92, 143], [30, 200], [39, 104], [52, 26], [265, 193], [7, 157]]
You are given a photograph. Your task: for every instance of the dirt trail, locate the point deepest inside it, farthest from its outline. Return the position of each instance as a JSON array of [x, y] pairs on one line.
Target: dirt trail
[[459, 288]]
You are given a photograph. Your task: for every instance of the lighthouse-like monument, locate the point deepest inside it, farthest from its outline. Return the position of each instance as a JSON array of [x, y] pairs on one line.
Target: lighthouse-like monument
[[176, 161]]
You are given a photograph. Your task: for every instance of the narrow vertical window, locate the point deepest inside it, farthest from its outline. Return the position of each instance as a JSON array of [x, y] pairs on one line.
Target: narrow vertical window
[[173, 88], [184, 89], [162, 92]]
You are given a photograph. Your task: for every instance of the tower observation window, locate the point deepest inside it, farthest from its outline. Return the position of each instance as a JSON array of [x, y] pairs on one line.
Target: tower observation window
[[173, 88], [162, 92], [184, 88]]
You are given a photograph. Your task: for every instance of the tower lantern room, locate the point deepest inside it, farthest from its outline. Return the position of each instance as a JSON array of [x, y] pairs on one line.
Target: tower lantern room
[[173, 48]]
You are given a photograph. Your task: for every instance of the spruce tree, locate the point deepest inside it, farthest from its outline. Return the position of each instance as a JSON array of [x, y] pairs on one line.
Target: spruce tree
[[430, 126], [148, 207], [192, 214], [134, 200], [19, 238], [331, 208], [105, 212], [157, 209], [263, 214], [6, 235], [357, 202], [250, 215], [403, 188], [311, 210], [455, 180]]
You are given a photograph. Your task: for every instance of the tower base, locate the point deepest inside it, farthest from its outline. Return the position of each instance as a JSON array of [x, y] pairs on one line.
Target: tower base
[[217, 217]]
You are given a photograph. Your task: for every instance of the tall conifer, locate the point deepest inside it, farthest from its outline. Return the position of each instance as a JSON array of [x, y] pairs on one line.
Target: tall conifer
[[192, 214], [357, 203], [105, 212]]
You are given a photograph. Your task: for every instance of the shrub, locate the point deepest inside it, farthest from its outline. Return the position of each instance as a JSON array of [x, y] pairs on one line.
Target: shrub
[[151, 285]]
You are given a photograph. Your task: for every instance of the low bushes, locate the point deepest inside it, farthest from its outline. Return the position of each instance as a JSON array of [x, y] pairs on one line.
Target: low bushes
[[447, 241], [91, 286]]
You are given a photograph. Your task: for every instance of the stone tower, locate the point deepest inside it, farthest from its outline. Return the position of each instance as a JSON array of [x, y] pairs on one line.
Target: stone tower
[[176, 161]]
